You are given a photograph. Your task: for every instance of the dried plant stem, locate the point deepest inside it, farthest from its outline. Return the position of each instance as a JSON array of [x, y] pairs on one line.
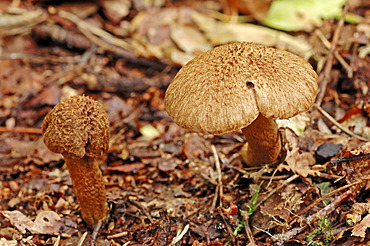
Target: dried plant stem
[[317, 201], [228, 227], [82, 239], [329, 60], [327, 44], [219, 189], [248, 229], [26, 130], [336, 123], [286, 182], [282, 238], [83, 25]]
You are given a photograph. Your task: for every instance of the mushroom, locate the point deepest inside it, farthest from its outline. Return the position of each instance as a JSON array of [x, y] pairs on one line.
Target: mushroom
[[78, 128], [242, 86]]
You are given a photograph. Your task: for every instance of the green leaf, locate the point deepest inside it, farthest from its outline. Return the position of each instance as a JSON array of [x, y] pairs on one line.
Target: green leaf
[[296, 15], [324, 189]]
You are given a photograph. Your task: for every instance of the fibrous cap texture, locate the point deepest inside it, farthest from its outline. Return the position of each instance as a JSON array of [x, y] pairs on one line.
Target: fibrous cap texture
[[226, 88], [77, 126]]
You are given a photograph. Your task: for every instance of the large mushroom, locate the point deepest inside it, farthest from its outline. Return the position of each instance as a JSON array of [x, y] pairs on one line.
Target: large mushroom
[[78, 128], [242, 86]]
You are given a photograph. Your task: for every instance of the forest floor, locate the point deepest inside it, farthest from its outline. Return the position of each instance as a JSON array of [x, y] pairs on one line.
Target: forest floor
[[166, 186]]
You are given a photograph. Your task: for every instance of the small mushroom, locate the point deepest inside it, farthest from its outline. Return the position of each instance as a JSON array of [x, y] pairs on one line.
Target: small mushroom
[[78, 128], [242, 86]]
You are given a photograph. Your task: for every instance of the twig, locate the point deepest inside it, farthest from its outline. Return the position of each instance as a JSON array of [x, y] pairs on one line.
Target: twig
[[37, 59], [286, 182], [95, 30], [26, 130], [317, 201], [228, 227], [327, 44], [96, 230], [118, 235], [219, 188], [82, 239], [282, 238], [143, 208], [329, 61], [57, 241], [347, 159], [336, 123], [180, 235], [247, 228], [66, 75]]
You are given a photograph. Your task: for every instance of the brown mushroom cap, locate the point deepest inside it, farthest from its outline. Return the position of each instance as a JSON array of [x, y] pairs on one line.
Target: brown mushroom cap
[[226, 88], [77, 126]]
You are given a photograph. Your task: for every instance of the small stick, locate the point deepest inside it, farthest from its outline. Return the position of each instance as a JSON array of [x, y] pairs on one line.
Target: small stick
[[327, 44], [97, 229], [118, 235], [143, 208], [247, 228], [228, 227], [286, 182], [180, 235], [57, 242], [36, 58], [347, 159], [26, 130], [330, 57], [219, 174], [317, 201], [336, 123], [281, 238], [82, 239]]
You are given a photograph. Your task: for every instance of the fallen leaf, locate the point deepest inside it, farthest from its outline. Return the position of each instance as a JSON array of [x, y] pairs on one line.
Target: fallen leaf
[[127, 168], [300, 163], [166, 165], [4, 242], [46, 222], [356, 213], [359, 230], [218, 33], [297, 123], [195, 147], [295, 15], [188, 38], [115, 10]]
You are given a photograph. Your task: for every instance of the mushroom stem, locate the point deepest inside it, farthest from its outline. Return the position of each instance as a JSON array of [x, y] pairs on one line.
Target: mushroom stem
[[89, 187], [263, 142]]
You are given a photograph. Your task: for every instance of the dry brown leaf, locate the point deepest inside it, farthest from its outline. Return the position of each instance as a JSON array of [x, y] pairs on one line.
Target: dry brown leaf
[[166, 165], [356, 122], [357, 210], [219, 33], [116, 10], [4, 242], [46, 222], [127, 168], [188, 38], [300, 163], [359, 230], [195, 147], [354, 164], [258, 9]]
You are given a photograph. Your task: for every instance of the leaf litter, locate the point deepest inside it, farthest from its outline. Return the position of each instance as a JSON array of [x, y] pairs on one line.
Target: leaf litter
[[166, 186]]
